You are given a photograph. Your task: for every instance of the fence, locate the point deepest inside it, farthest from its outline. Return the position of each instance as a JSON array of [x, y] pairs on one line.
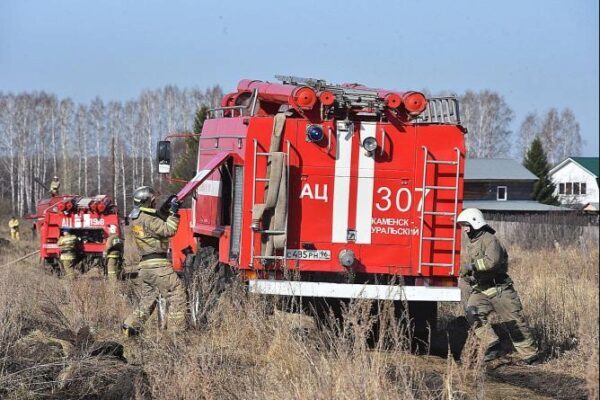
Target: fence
[[546, 229]]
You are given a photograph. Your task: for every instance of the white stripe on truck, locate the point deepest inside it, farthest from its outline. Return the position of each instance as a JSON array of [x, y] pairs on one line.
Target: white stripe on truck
[[341, 184], [364, 200]]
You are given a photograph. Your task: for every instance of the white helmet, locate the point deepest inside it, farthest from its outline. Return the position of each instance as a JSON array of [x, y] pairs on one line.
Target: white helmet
[[473, 217], [112, 229]]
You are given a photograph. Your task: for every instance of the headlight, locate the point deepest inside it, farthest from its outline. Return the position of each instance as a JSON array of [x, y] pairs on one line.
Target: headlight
[[314, 133], [370, 144]]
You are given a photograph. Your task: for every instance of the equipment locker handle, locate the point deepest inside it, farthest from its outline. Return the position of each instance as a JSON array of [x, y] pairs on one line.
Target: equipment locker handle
[[329, 133], [382, 142]]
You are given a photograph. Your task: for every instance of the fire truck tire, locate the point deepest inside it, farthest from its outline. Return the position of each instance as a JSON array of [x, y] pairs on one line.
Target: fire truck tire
[[205, 282], [423, 317]]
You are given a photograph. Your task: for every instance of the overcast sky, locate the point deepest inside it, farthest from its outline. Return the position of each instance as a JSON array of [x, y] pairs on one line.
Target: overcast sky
[[538, 54]]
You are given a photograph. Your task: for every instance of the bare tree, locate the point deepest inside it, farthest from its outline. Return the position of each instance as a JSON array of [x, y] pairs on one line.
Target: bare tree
[[97, 120], [487, 118]]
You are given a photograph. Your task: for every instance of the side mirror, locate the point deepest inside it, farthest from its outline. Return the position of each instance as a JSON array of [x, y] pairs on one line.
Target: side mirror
[[163, 154]]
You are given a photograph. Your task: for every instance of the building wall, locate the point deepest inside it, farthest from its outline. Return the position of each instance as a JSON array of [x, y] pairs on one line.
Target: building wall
[[571, 173], [516, 190]]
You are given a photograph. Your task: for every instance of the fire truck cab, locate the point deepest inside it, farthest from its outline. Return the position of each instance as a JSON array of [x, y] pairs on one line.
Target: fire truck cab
[[319, 190]]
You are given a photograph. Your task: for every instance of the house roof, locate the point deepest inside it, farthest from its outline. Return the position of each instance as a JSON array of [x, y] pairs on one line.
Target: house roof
[[485, 169], [512, 205], [591, 164]]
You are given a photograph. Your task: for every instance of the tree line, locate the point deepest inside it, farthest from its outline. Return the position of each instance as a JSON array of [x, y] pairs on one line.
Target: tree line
[[96, 148], [109, 147]]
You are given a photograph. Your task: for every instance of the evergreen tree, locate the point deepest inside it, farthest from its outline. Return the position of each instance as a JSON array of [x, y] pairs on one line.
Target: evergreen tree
[[537, 162], [185, 167]]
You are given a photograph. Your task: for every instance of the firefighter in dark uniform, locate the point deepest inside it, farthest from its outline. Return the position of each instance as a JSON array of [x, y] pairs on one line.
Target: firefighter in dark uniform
[[69, 245], [113, 253], [151, 233], [491, 290]]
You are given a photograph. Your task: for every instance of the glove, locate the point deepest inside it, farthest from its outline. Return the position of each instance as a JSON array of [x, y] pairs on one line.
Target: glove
[[175, 206], [467, 269]]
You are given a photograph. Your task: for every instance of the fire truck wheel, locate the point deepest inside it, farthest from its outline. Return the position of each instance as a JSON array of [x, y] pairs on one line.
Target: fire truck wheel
[[423, 316], [205, 282]]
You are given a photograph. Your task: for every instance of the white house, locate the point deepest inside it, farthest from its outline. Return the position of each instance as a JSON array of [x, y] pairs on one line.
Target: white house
[[576, 180]]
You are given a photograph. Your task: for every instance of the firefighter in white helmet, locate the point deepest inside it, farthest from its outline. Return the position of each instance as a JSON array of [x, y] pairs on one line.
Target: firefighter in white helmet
[[113, 253], [151, 233], [492, 290]]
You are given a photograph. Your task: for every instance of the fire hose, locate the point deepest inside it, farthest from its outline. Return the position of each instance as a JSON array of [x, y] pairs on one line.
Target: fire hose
[[273, 213], [20, 259]]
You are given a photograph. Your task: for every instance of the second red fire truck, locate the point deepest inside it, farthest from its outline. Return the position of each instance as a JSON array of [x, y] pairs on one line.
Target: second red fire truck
[[350, 188]]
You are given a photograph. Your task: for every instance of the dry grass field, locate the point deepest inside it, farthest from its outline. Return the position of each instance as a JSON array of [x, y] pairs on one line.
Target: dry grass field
[[61, 339]]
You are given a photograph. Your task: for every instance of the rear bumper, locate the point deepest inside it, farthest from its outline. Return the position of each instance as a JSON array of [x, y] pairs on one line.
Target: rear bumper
[[354, 291]]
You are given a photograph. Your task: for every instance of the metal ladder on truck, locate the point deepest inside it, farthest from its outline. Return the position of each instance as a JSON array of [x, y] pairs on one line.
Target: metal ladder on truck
[[427, 161], [259, 231]]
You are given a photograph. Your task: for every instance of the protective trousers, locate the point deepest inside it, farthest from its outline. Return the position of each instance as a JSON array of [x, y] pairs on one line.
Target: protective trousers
[[159, 279], [113, 267], [505, 301], [68, 263], [14, 233]]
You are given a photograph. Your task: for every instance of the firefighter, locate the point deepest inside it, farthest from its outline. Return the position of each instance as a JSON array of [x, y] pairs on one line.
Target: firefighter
[[54, 186], [69, 245], [151, 234], [492, 290], [13, 225], [113, 253]]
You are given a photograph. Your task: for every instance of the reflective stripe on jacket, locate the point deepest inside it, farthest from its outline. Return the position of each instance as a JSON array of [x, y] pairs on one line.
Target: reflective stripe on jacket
[[490, 259], [68, 243]]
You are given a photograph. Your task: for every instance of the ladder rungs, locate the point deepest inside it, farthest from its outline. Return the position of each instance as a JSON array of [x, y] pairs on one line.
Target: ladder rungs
[[441, 162], [445, 239], [437, 264], [263, 154], [271, 232], [448, 214], [262, 179], [441, 187]]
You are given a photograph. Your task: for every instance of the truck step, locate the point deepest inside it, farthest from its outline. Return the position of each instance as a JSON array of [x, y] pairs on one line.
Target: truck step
[[271, 232]]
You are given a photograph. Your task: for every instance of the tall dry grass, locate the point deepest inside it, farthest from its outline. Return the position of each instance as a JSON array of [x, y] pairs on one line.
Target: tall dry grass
[[248, 347]]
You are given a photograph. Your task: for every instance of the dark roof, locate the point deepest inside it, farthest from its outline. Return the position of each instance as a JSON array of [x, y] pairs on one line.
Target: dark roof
[[511, 205], [486, 169], [590, 163]]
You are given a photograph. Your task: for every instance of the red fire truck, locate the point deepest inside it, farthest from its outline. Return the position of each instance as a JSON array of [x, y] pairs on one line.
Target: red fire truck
[[88, 217], [350, 188]]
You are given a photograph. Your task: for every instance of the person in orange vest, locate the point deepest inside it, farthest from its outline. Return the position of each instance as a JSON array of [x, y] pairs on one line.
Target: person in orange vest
[[13, 225]]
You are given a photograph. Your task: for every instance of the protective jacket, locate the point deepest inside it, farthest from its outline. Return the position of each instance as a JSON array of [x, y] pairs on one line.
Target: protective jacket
[[13, 223], [490, 260], [114, 246], [68, 245], [54, 187], [152, 233]]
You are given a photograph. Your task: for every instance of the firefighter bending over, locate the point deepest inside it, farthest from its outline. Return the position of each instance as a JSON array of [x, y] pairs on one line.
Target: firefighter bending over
[[13, 225], [54, 186], [113, 253], [491, 290], [69, 245], [151, 234]]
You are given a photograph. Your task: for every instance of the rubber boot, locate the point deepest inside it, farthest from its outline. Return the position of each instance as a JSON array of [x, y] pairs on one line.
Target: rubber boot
[[493, 352]]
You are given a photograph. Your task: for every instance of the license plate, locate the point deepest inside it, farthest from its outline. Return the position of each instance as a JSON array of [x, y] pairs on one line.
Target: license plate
[[301, 254]]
